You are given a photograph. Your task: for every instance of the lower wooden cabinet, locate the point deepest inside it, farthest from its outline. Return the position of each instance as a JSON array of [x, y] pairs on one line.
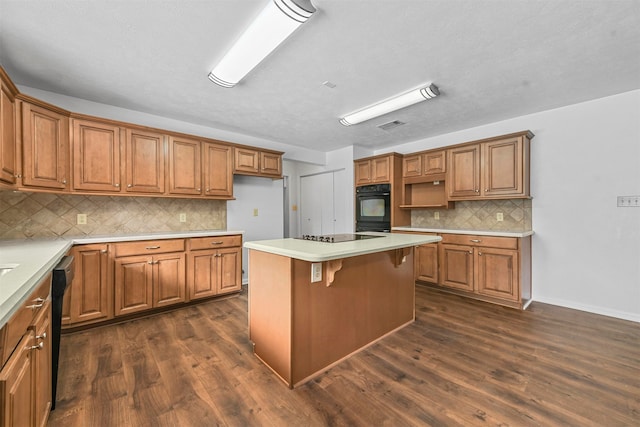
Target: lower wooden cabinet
[[494, 269], [128, 278], [214, 271], [25, 375]]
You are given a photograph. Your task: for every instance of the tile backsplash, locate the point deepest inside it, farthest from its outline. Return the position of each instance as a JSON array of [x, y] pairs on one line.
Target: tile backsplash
[[478, 215], [41, 215]]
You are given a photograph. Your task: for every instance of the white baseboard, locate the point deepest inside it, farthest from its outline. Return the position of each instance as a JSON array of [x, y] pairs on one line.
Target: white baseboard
[[634, 317]]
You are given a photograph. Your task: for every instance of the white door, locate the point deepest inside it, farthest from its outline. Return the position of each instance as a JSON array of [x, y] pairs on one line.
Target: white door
[[317, 204]]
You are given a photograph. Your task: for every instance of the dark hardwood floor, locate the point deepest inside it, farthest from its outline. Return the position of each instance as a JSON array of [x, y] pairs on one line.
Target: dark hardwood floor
[[461, 363]]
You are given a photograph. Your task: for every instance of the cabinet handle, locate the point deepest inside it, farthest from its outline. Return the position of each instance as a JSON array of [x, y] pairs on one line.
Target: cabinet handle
[[206, 190], [479, 253], [18, 176], [486, 190], [116, 185], [37, 347], [39, 302], [64, 181], [153, 262], [476, 240], [198, 189], [471, 251], [217, 243], [477, 191], [104, 251], [129, 185], [152, 247], [41, 337]]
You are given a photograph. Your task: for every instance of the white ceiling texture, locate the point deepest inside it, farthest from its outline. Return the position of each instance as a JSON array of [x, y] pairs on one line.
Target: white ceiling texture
[[491, 59]]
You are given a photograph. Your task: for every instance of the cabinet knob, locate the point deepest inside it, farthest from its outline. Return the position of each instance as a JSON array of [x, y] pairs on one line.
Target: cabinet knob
[[206, 190], [129, 185], [116, 185], [18, 176], [477, 191], [486, 190], [479, 253], [197, 189], [476, 240], [38, 347], [64, 181], [471, 251], [41, 337], [104, 251]]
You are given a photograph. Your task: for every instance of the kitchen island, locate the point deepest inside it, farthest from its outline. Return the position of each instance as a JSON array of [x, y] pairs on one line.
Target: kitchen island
[[312, 304]]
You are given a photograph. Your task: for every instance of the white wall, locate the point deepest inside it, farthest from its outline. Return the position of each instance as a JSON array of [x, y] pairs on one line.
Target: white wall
[[586, 251], [266, 196]]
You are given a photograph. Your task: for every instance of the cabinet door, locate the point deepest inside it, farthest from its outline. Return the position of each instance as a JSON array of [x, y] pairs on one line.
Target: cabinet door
[[412, 166], [203, 275], [16, 386], [184, 166], [464, 172], [456, 266], [381, 169], [45, 141], [426, 263], [7, 136], [169, 285], [218, 174], [435, 163], [90, 288], [144, 162], [270, 164], [363, 172], [96, 156], [133, 284], [498, 273], [230, 270], [246, 160], [42, 366], [503, 168]]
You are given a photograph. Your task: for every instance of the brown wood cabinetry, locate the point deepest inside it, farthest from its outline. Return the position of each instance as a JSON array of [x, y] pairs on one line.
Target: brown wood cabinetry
[[25, 372], [423, 180], [248, 161], [45, 147], [496, 269], [495, 168], [374, 170], [215, 266], [185, 176], [91, 289], [8, 159], [426, 263], [148, 274], [96, 156], [217, 169], [424, 164], [144, 161]]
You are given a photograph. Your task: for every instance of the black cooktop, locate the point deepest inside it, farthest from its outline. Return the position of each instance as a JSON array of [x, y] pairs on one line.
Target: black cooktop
[[337, 238]]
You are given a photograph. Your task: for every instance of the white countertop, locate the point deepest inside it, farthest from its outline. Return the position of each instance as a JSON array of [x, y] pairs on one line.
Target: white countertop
[[36, 258], [476, 232], [307, 250]]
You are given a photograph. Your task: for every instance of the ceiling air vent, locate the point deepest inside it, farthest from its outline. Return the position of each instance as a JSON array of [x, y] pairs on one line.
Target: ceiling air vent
[[391, 125]]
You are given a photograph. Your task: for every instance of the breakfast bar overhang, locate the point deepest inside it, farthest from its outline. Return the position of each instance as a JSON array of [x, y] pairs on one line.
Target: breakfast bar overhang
[[361, 291]]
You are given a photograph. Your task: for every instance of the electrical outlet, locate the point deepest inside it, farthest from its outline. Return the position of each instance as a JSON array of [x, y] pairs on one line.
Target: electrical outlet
[[628, 201], [316, 272], [499, 217], [81, 219], [255, 212], [436, 215], [183, 217]]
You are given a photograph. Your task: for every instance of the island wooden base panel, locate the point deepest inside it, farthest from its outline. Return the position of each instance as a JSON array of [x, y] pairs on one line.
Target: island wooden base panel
[[301, 328], [461, 363]]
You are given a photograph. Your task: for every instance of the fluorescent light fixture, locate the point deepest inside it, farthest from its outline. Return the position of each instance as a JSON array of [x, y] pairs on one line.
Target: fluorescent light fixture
[[391, 104], [273, 25]]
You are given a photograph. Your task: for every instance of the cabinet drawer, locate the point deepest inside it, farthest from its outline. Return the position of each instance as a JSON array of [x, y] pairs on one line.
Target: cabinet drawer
[[486, 241], [148, 247], [214, 242], [15, 328]]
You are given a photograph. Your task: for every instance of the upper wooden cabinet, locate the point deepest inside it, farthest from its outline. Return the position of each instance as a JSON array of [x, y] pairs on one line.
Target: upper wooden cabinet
[[8, 141], [96, 156], [185, 176], [144, 161], [248, 161], [496, 168], [374, 170], [217, 168], [45, 147], [424, 164]]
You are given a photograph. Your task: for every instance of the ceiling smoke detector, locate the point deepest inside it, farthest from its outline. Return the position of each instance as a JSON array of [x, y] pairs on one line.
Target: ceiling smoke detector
[[391, 125]]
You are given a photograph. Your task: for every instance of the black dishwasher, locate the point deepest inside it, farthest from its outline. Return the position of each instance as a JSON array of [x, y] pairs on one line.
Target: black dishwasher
[[62, 277]]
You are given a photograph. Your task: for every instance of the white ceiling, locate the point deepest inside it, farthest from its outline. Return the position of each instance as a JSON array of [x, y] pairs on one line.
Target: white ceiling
[[492, 60]]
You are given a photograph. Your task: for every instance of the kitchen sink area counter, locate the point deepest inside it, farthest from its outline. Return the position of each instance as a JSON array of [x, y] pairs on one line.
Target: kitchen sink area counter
[[24, 263], [496, 233]]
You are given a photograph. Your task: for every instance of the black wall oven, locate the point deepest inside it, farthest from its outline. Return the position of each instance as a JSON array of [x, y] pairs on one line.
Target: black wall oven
[[373, 207]]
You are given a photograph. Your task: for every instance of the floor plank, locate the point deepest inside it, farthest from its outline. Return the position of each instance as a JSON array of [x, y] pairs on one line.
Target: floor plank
[[461, 363]]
